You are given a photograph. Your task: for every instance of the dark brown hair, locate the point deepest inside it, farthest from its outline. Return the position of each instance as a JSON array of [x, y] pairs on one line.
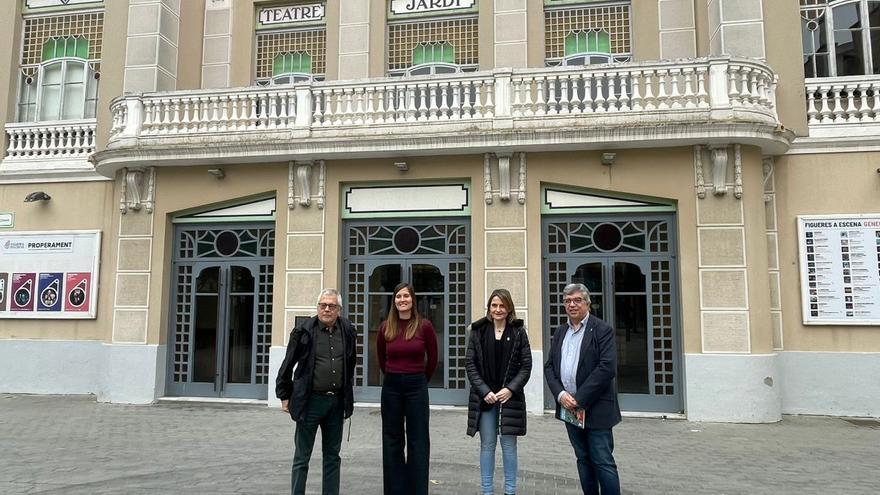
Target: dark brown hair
[[506, 300], [392, 327]]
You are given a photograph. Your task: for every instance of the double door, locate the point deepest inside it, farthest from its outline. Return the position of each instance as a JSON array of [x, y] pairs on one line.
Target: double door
[[224, 333]]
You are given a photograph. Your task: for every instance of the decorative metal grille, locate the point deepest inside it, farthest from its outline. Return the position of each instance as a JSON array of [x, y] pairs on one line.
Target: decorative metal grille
[[605, 237], [182, 323], [397, 240], [457, 325], [38, 30], [460, 32], [557, 279], [226, 243], [312, 41], [357, 287], [663, 346], [559, 22], [264, 322]]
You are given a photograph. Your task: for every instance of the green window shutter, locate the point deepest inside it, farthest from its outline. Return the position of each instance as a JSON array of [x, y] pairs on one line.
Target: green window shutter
[[432, 53], [587, 42], [291, 63], [68, 46]]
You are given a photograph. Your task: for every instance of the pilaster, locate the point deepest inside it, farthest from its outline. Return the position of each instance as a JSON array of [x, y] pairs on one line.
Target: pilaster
[[217, 44], [511, 33], [151, 46], [354, 39], [677, 28], [736, 27]]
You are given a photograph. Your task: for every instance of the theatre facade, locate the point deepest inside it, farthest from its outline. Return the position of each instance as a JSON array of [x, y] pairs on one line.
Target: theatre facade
[[181, 178]]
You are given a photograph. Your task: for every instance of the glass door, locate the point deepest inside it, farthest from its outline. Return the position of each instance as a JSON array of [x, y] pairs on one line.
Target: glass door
[[430, 280], [223, 333]]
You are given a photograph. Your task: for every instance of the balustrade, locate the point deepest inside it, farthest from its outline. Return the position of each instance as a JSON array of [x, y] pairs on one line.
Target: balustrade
[[853, 99], [50, 140]]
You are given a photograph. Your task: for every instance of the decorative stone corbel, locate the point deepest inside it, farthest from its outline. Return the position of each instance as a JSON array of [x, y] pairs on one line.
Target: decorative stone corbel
[[719, 169], [698, 168], [767, 167], [137, 183], [505, 180], [737, 172], [503, 176], [299, 184]]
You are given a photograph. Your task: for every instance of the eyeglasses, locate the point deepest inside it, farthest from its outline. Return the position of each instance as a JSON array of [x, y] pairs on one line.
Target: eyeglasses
[[330, 306], [577, 301]]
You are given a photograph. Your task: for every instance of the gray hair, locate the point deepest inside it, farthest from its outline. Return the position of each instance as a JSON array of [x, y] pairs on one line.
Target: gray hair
[[332, 293], [572, 288]]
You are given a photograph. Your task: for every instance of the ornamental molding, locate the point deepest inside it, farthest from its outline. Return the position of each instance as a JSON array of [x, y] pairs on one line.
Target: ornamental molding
[[300, 176], [506, 186], [720, 157], [138, 189]]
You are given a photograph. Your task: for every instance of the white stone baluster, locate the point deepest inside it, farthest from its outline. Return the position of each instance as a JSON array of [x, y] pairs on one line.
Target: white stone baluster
[[675, 98], [489, 106], [624, 98], [574, 84], [812, 110], [478, 99], [552, 102], [540, 100], [443, 91], [839, 113], [467, 108], [613, 99], [431, 90], [663, 77]]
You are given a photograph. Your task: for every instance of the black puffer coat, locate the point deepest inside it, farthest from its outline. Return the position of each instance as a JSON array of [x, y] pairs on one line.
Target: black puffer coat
[[519, 368]]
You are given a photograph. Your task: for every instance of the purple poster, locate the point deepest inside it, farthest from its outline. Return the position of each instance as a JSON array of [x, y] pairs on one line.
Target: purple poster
[[23, 288]]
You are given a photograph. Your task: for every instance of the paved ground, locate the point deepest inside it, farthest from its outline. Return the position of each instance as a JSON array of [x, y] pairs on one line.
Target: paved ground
[[72, 445]]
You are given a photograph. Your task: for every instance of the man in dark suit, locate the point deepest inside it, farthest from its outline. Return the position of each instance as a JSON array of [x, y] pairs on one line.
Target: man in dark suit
[[580, 373], [315, 385]]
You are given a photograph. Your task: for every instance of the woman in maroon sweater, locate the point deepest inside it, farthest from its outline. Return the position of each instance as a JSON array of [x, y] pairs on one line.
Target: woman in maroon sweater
[[407, 352]]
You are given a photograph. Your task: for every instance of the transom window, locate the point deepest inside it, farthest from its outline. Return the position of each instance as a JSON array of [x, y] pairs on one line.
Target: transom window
[[60, 67], [840, 37], [587, 34], [291, 67], [291, 56], [433, 46]]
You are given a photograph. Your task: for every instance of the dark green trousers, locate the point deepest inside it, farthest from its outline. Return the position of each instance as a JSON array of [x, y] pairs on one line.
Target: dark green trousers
[[326, 412]]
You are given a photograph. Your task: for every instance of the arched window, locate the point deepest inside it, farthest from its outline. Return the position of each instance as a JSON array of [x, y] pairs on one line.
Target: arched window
[[435, 57], [589, 46], [840, 37], [291, 67], [64, 86]]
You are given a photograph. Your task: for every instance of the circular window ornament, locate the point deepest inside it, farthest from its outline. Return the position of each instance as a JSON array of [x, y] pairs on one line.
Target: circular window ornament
[[607, 237], [407, 240], [226, 243]]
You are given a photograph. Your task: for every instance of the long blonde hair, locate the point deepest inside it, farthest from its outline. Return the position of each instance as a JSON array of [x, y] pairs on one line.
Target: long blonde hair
[[392, 326]]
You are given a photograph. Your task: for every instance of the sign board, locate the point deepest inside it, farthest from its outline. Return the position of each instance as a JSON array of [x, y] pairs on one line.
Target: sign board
[[840, 269], [422, 7], [49, 274], [7, 220], [290, 15]]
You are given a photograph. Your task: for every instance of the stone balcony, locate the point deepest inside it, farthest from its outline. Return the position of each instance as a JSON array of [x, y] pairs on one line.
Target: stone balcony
[[657, 104], [38, 151]]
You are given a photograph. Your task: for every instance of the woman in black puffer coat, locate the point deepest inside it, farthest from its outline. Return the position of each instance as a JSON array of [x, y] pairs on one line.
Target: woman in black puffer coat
[[499, 363]]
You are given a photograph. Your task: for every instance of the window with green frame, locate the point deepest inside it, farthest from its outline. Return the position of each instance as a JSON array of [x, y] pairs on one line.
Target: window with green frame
[[590, 41], [65, 85], [291, 63], [435, 52]]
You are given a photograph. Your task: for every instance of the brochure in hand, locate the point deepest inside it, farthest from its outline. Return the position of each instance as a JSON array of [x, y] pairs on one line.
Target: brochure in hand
[[577, 417]]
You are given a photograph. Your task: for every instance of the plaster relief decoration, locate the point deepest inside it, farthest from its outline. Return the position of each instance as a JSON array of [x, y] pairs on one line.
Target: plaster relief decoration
[[137, 183], [719, 169], [737, 172], [698, 170], [299, 184], [767, 168], [505, 188]]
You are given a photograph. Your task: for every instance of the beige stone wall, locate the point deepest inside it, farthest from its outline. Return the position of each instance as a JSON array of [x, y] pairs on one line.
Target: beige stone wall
[[190, 44], [782, 31], [74, 206], [10, 41], [822, 184], [644, 34]]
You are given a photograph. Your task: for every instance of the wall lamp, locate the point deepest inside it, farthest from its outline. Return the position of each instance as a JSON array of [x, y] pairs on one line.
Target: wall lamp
[[37, 196], [217, 172], [608, 158]]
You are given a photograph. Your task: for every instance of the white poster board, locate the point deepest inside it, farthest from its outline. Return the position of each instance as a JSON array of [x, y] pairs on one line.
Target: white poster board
[[49, 275], [840, 269]]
